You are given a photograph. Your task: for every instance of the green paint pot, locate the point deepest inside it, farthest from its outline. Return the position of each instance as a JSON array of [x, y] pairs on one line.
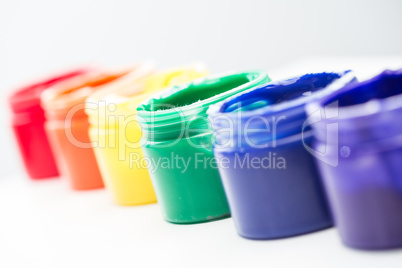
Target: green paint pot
[[177, 145]]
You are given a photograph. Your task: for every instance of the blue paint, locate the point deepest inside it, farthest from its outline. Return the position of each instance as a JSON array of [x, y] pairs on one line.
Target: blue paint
[[278, 193]]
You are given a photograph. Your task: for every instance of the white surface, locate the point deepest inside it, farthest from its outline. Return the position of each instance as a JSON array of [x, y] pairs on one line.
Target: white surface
[[45, 224]]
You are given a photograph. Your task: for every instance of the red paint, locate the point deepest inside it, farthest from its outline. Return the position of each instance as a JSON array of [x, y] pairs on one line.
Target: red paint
[[28, 125]]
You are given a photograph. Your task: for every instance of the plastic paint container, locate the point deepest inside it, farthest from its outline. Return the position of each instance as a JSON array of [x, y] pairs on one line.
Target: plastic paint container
[[67, 127], [177, 145], [361, 133], [115, 130], [270, 179], [28, 126]]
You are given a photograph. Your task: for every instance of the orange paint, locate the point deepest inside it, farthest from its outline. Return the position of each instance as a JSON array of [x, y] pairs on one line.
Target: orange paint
[[67, 126]]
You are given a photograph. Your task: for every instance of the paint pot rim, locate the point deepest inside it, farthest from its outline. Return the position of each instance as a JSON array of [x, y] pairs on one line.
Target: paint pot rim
[[292, 110], [175, 117], [25, 98], [58, 101], [126, 102], [357, 119]]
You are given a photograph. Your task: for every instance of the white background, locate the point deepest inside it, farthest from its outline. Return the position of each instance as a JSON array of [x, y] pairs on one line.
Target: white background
[[44, 224], [37, 37]]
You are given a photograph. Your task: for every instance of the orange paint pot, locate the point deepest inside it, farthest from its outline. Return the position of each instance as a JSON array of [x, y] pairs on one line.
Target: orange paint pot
[[67, 124]]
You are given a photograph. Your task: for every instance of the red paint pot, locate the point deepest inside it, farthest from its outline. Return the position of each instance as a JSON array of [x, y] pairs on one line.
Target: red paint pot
[[28, 126]]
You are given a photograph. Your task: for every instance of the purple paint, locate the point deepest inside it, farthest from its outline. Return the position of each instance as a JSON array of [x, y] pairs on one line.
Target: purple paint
[[361, 166]]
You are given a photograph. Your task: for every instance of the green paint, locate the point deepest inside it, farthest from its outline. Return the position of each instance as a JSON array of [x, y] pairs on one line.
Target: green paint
[[183, 170]]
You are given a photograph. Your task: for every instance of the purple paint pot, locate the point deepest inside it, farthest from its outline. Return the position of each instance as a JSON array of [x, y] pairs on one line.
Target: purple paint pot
[[358, 148], [271, 181]]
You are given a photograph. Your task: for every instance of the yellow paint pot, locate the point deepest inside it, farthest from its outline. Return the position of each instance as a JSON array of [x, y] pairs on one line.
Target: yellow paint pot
[[116, 134]]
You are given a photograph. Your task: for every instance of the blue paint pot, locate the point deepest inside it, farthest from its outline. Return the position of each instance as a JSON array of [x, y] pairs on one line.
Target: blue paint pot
[[361, 164], [270, 179]]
